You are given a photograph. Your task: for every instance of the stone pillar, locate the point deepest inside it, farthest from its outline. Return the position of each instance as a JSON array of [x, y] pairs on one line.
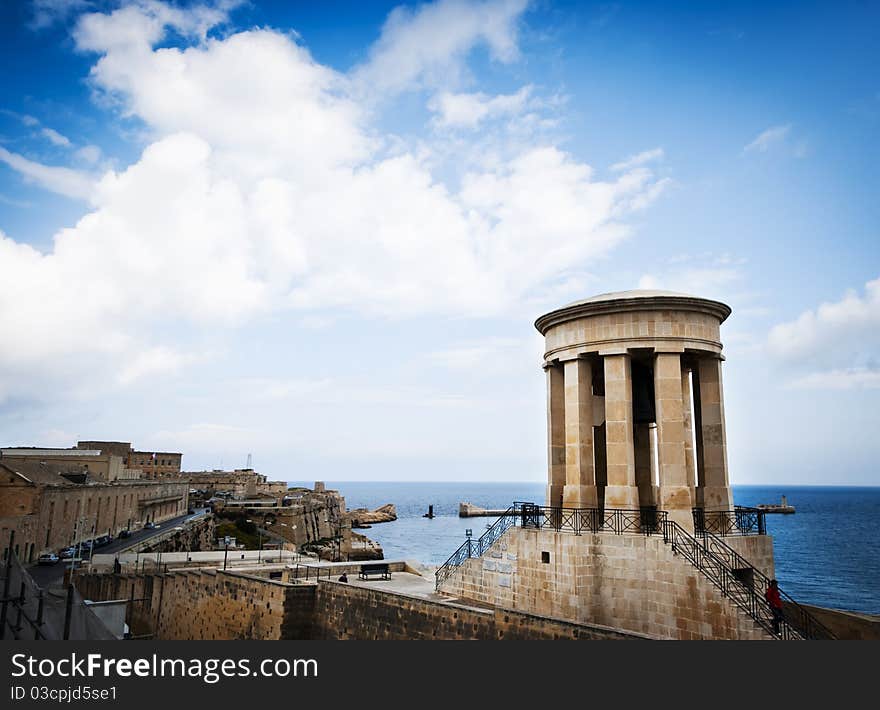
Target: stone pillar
[[644, 464], [676, 496], [687, 420], [716, 493], [599, 461], [621, 491], [555, 435], [580, 476]]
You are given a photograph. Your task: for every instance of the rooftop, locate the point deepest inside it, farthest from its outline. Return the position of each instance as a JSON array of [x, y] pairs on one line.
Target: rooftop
[[32, 451], [635, 293], [635, 300]]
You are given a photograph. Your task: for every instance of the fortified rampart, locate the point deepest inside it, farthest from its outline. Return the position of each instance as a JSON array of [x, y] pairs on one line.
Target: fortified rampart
[[216, 604], [632, 582]]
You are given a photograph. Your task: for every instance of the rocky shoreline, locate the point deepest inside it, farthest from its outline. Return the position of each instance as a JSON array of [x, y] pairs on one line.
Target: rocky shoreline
[[364, 518]]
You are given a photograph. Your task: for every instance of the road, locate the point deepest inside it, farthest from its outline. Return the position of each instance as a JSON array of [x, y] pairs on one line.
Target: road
[[49, 575]]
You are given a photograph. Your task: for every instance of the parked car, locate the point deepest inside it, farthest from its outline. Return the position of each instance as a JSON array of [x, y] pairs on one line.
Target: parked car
[[190, 511], [124, 534], [66, 553], [150, 525], [50, 558]]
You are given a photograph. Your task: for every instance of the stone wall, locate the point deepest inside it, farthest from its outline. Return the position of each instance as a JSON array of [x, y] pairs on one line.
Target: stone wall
[[213, 604], [206, 604], [343, 611], [847, 625], [629, 582], [757, 549]]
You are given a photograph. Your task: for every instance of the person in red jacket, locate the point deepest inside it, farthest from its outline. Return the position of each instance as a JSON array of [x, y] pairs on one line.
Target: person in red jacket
[[775, 602]]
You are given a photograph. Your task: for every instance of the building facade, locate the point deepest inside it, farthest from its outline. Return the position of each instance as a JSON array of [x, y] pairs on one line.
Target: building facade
[[152, 464], [51, 506]]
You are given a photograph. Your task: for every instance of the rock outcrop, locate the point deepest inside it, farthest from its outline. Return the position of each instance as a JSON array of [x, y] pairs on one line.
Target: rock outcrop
[[361, 517]]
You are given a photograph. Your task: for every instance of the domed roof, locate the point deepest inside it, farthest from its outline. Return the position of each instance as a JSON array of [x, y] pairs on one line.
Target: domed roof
[[635, 293], [635, 300]]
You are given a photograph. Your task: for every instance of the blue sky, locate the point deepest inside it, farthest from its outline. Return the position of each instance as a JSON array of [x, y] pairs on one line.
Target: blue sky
[[320, 232]]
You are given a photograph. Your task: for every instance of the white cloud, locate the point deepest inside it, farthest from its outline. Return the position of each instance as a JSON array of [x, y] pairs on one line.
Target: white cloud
[[154, 361], [492, 356], [64, 181], [265, 188], [705, 275], [210, 436], [426, 46], [469, 110], [55, 138], [90, 154], [855, 378], [838, 335], [639, 159], [766, 139]]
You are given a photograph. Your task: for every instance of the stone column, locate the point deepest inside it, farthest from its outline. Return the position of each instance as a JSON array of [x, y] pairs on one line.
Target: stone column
[[580, 476], [676, 496], [687, 420], [644, 464], [621, 491], [716, 484], [555, 435]]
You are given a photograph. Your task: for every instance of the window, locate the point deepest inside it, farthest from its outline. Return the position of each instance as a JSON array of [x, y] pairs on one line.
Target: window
[[545, 557]]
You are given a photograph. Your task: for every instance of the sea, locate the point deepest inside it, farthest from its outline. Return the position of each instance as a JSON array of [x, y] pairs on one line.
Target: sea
[[827, 553]]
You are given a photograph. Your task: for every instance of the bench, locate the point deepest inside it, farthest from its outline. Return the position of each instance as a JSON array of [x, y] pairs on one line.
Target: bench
[[367, 570]]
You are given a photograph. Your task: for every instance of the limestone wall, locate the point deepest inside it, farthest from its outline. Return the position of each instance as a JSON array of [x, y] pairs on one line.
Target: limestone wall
[[206, 604], [847, 625], [674, 330], [757, 549], [213, 604], [630, 582], [343, 611]]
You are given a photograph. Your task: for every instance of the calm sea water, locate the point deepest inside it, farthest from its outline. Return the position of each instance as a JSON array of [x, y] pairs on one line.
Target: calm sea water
[[828, 553]]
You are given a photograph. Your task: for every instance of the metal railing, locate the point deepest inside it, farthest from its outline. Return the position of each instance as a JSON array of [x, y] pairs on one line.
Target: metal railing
[[739, 521], [740, 582], [641, 521], [475, 548]]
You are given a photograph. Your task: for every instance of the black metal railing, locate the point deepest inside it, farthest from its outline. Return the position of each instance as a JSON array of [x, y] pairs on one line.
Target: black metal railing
[[476, 548], [739, 521], [640, 521], [739, 581]]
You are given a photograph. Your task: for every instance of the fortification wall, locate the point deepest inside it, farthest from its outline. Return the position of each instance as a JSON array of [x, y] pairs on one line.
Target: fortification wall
[[343, 611], [212, 604], [207, 604], [628, 582]]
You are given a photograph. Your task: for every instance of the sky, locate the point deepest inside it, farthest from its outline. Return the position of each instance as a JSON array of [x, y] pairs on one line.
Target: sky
[[319, 233]]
